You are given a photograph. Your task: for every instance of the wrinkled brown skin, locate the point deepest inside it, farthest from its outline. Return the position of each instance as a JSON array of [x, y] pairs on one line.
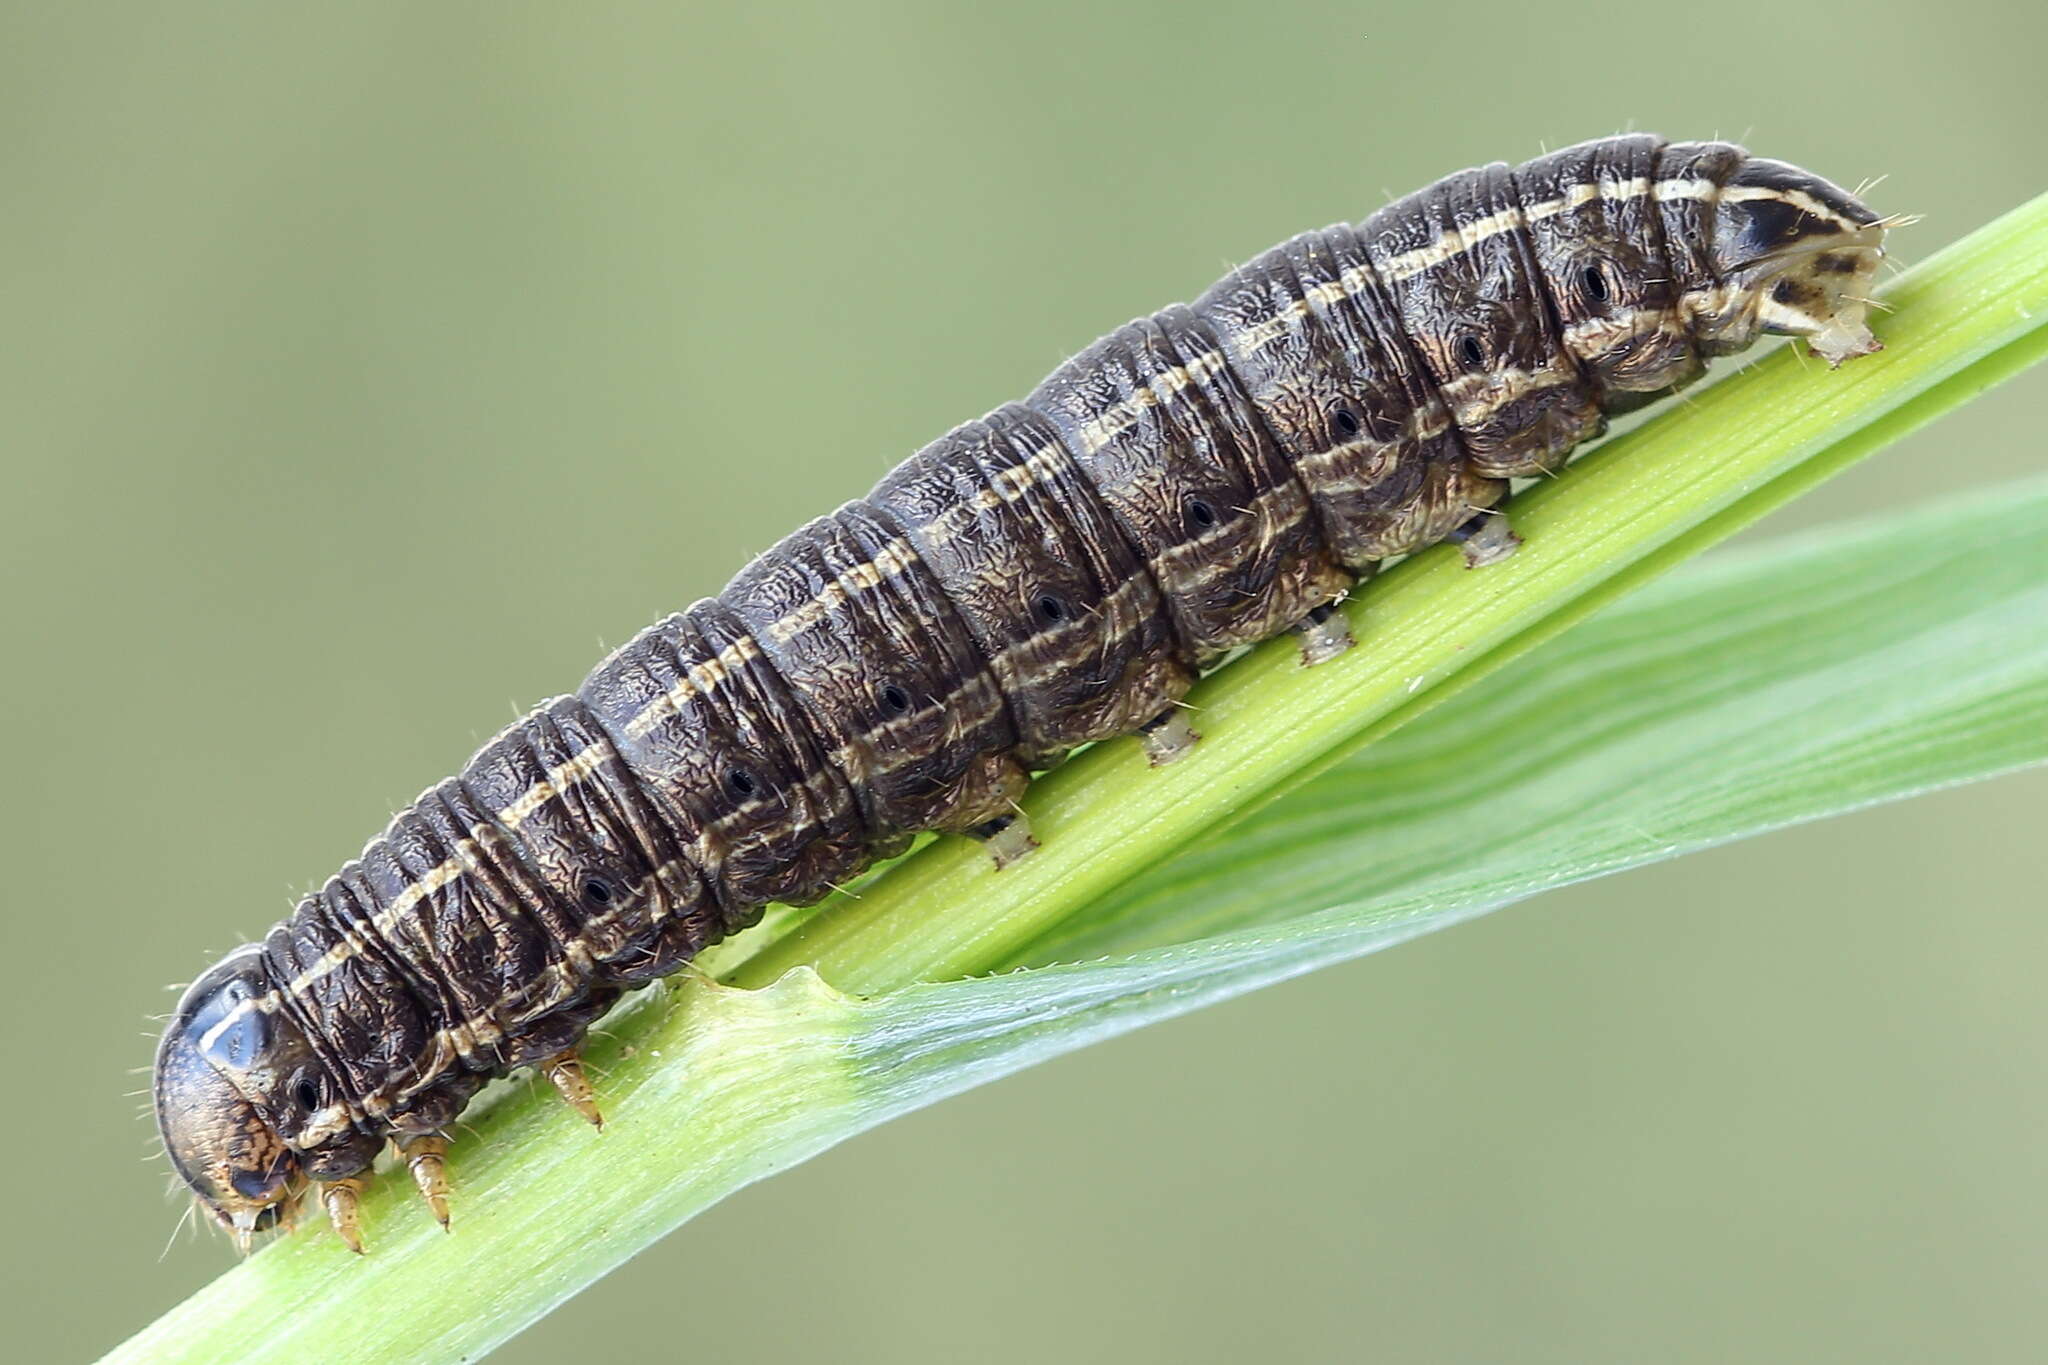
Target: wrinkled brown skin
[[1054, 573]]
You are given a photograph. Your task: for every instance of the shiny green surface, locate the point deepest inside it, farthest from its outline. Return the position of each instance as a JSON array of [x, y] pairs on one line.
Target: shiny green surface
[[368, 372]]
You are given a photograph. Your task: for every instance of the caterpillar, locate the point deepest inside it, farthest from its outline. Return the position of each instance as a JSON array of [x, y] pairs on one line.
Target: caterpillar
[[1053, 574]]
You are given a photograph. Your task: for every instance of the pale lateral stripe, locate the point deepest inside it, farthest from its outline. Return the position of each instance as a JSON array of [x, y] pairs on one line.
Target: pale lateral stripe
[[1798, 199], [1003, 663], [1742, 194], [1431, 419], [1681, 187], [1407, 264], [848, 755], [1796, 321], [1450, 245], [1119, 418], [1170, 558], [1008, 486], [1585, 192], [891, 560], [578, 768], [1495, 389], [1456, 242], [332, 1119], [700, 679], [562, 777], [1328, 294], [1467, 236], [1600, 332]]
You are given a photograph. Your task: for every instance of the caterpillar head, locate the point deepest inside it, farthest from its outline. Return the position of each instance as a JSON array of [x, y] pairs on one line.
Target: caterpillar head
[[1796, 256], [237, 1096]]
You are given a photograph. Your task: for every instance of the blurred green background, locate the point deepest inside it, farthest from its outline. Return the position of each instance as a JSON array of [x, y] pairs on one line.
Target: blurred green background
[[370, 368]]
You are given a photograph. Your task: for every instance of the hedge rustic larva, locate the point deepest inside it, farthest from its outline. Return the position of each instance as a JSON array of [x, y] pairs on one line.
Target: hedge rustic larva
[[1052, 574]]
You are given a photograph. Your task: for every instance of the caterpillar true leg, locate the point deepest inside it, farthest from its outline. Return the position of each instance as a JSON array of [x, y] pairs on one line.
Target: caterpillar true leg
[[343, 1201]]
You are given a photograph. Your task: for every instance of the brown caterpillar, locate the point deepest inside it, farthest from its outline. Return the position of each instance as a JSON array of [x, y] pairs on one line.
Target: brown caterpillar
[[1052, 574]]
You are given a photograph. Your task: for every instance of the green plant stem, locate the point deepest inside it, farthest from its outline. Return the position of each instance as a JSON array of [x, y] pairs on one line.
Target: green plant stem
[[708, 1096], [1639, 504]]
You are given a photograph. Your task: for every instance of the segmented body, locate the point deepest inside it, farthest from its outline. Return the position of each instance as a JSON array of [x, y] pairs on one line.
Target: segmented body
[[1054, 573]]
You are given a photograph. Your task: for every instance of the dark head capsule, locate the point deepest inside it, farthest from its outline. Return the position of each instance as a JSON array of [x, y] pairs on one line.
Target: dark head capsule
[[213, 1058]]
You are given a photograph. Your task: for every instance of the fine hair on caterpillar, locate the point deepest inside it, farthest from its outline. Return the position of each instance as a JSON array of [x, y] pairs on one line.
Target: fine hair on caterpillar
[[1052, 574]]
